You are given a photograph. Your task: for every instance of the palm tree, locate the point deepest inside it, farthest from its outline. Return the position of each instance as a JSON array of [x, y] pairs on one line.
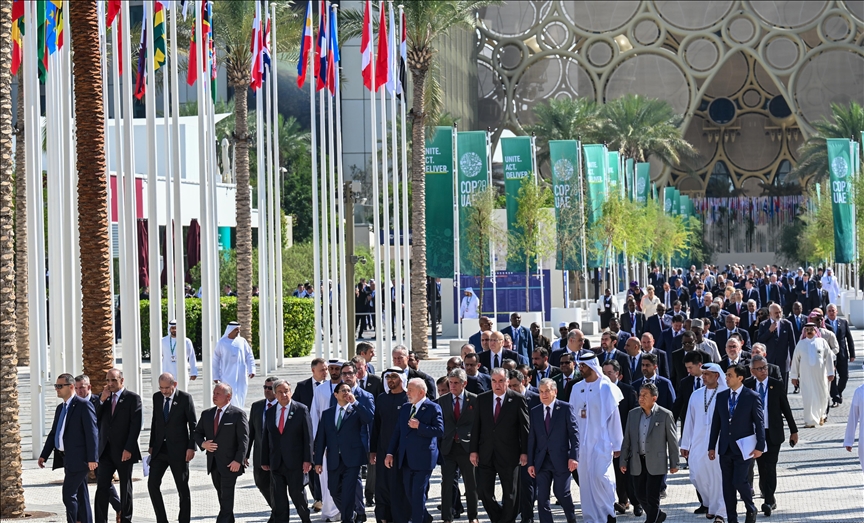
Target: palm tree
[[22, 306], [232, 29], [563, 119], [848, 122], [11, 490], [640, 127], [96, 292], [426, 21]]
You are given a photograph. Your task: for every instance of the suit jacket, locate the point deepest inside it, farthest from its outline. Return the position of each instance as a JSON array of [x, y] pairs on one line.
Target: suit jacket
[[417, 449], [743, 359], [746, 421], [778, 408], [342, 444], [807, 295], [626, 322], [505, 354], [478, 384], [374, 386], [256, 431], [671, 343], [524, 346], [796, 329], [232, 438], [697, 308], [174, 435], [654, 325], [630, 401], [532, 398], [679, 370], [716, 323], [684, 298], [672, 296], [552, 372], [560, 443], [387, 408], [304, 392], [779, 344], [505, 440], [564, 388], [663, 363], [457, 431], [623, 361], [682, 398], [666, 392], [474, 340], [657, 280], [80, 436], [745, 323], [622, 338], [293, 446], [840, 328], [722, 336], [661, 443], [738, 309], [122, 428], [367, 400], [752, 294], [775, 294]]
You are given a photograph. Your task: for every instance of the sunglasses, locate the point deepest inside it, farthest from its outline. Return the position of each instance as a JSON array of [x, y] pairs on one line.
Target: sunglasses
[[268, 387], [59, 386]]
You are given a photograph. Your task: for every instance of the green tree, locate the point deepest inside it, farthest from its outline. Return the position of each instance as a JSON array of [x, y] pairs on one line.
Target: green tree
[[426, 22], [669, 235], [563, 119], [621, 227], [847, 121], [532, 239], [817, 237], [481, 235]]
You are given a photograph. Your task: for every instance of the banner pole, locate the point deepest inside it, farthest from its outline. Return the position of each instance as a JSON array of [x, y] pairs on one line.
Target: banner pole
[[376, 208], [406, 244], [456, 239], [279, 287], [582, 220]]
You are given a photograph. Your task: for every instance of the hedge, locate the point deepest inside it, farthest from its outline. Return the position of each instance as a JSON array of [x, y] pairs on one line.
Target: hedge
[[298, 313]]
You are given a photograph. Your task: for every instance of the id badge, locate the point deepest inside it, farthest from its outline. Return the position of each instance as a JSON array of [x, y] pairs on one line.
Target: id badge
[[583, 413], [173, 359]]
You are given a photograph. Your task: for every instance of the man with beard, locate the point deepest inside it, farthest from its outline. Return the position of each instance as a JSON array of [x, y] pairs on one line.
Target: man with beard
[[389, 487]]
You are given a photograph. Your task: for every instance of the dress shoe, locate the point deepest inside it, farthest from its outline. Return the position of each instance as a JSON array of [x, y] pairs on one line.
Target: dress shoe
[[360, 517], [719, 519], [768, 508], [637, 510], [621, 509], [370, 502], [795, 391], [750, 518], [661, 517], [701, 510]]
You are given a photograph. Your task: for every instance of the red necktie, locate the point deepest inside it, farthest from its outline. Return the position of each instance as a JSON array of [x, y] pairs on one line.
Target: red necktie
[[456, 410], [282, 421], [113, 403], [216, 421], [497, 408]]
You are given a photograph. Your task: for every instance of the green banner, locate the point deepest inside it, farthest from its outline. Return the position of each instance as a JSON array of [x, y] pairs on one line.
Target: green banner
[[596, 170], [642, 182], [669, 200], [472, 177], [518, 164], [439, 203], [676, 202], [564, 156], [629, 167], [841, 168], [614, 173]]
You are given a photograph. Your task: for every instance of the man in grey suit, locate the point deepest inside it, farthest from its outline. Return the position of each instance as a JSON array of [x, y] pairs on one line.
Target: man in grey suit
[[458, 409], [650, 442]]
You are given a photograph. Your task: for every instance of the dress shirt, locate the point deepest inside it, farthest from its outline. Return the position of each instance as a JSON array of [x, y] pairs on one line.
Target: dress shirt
[[170, 400], [344, 411], [62, 428], [567, 379], [608, 356], [649, 380], [492, 358], [287, 409], [495, 399], [543, 373], [267, 406], [644, 425]]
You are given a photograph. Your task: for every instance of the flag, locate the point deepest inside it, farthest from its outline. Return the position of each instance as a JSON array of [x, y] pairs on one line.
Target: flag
[[141, 78], [41, 39], [333, 57], [403, 57], [211, 44], [255, 49], [391, 44], [192, 68], [265, 46], [53, 26], [305, 45], [113, 12], [185, 5], [381, 69], [159, 34], [321, 49], [366, 46], [17, 34]]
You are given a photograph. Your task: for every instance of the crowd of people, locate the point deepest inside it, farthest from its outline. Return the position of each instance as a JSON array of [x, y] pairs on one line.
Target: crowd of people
[[702, 386]]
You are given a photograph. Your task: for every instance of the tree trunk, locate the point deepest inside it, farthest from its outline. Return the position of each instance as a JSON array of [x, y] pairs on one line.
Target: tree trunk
[[419, 323], [97, 333], [22, 307], [240, 84], [11, 490]]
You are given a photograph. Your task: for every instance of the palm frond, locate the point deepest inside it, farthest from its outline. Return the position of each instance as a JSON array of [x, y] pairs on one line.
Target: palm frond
[[848, 122]]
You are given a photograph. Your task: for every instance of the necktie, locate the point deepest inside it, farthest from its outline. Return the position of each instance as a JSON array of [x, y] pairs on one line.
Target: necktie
[[633, 364], [762, 392], [632, 322], [59, 426], [113, 402], [798, 322], [413, 411], [339, 419], [456, 410], [166, 408], [698, 384], [548, 419], [497, 408], [216, 421], [282, 420], [515, 337], [733, 402], [496, 364], [566, 381]]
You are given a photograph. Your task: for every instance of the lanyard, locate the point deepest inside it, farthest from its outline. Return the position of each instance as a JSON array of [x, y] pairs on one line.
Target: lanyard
[[172, 343]]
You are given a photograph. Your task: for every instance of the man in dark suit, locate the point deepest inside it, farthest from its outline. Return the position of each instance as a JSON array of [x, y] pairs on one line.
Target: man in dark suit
[[568, 375], [797, 319], [656, 278], [389, 485], [735, 356], [459, 409], [374, 386], [688, 344], [650, 443], [477, 339], [495, 356], [758, 349], [523, 342], [337, 436], [654, 325], [499, 446], [171, 445], [286, 452], [824, 298], [542, 368], [672, 337], [667, 296], [257, 413], [73, 440], [775, 407], [609, 353], [666, 391], [399, 357], [683, 295], [223, 431], [304, 392], [478, 382], [624, 487], [722, 335], [662, 363], [779, 340], [807, 294], [691, 382], [696, 306], [414, 447], [632, 321], [620, 337], [119, 419], [553, 450], [576, 345], [750, 292], [737, 415], [840, 328]]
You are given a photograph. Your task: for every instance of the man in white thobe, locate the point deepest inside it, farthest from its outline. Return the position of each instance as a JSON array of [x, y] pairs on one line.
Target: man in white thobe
[[704, 472], [233, 363], [856, 423], [321, 402], [172, 354], [813, 365], [829, 283], [470, 305], [595, 400]]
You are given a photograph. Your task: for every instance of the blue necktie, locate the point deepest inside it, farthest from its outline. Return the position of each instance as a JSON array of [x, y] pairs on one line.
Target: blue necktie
[[59, 426], [166, 408], [762, 392], [733, 402], [516, 338]]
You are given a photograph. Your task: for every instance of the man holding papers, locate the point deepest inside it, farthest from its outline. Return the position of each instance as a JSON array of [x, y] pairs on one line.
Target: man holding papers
[[738, 424]]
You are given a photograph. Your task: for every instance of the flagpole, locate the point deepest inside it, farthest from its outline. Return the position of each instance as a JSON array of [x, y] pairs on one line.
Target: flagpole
[[120, 196], [213, 226], [386, 328], [376, 208], [398, 288], [168, 263], [338, 349], [263, 232], [323, 286], [492, 267], [316, 237], [406, 249], [344, 284], [152, 214], [456, 240], [277, 197], [272, 212]]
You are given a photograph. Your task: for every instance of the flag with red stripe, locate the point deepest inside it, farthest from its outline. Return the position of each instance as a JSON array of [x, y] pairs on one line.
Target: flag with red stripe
[[366, 46], [383, 58], [305, 46]]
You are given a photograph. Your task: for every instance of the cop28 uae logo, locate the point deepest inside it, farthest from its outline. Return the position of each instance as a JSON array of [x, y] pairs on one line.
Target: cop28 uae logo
[[668, 205], [563, 169], [640, 185], [471, 164], [839, 166]]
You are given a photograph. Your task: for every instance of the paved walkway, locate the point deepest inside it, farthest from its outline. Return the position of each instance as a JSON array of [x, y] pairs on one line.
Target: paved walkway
[[817, 480]]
